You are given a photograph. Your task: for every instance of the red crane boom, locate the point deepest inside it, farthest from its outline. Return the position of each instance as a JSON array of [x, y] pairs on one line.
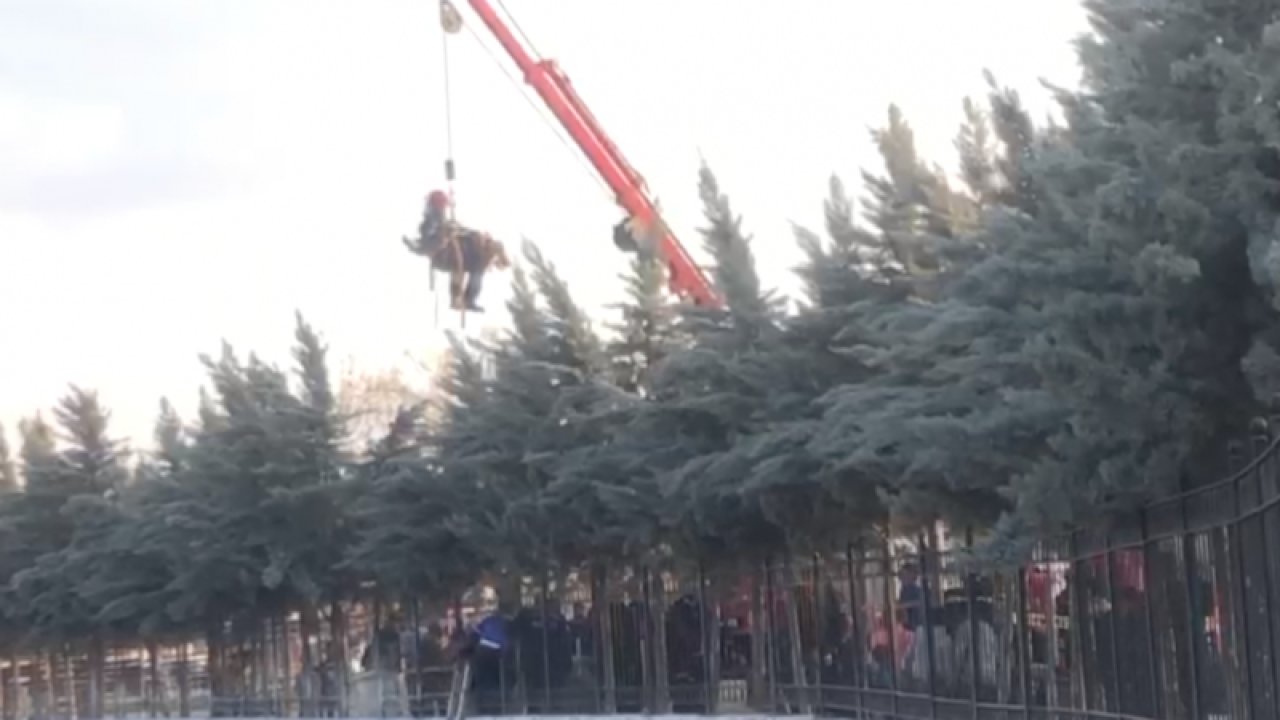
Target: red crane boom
[[552, 85]]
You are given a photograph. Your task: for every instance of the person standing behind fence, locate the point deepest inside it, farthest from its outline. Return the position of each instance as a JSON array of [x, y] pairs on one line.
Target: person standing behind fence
[[963, 621], [483, 647], [329, 691], [910, 597]]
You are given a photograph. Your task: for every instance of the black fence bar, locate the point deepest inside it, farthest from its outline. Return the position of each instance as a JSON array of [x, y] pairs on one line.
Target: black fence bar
[[819, 625], [1191, 574], [975, 644], [1024, 644], [1261, 440], [1153, 647], [853, 564], [1113, 646], [1235, 533], [1078, 602], [705, 620], [543, 599], [926, 569], [891, 623], [771, 634]]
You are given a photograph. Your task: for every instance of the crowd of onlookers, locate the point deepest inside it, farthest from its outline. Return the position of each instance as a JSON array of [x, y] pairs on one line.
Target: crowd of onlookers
[[948, 640]]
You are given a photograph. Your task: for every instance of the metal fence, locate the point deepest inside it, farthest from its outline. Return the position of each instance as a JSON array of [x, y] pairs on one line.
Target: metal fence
[[1166, 614]]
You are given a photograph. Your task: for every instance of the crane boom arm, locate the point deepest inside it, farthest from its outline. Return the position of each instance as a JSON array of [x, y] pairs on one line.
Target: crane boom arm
[[685, 277]]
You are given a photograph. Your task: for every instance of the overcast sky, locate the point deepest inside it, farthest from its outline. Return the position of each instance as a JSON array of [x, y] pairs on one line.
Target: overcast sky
[[176, 172]]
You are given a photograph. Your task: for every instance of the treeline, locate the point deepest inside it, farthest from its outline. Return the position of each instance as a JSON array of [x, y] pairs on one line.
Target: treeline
[[1069, 325]]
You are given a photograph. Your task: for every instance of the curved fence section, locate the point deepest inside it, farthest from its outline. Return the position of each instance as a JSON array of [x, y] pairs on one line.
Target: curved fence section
[[1169, 613]]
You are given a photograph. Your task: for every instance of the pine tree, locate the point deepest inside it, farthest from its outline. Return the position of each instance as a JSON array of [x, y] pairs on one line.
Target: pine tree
[[171, 441], [126, 567], [830, 342], [216, 509], [975, 147], [317, 537], [710, 397], [606, 480], [8, 471], [38, 453], [546, 373], [1141, 342], [647, 331], [1094, 357], [910, 204], [90, 459], [23, 512], [899, 406], [404, 517], [66, 517]]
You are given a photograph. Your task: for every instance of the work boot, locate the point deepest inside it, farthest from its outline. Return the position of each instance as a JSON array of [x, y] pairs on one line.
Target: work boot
[[465, 307]]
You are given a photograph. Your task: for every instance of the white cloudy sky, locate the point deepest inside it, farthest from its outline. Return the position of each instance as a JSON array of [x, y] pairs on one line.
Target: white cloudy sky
[[175, 172]]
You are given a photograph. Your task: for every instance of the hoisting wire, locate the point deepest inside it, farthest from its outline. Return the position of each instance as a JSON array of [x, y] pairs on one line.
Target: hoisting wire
[[450, 23], [448, 120], [608, 192], [661, 222], [541, 113], [516, 24]]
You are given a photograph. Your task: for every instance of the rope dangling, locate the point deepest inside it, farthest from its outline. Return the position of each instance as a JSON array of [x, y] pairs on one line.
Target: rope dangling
[[435, 301], [451, 24]]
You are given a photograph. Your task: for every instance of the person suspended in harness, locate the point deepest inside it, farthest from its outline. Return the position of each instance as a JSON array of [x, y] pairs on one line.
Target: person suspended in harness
[[465, 253]]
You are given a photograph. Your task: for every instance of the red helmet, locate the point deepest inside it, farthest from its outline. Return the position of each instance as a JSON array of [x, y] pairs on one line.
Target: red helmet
[[437, 200]]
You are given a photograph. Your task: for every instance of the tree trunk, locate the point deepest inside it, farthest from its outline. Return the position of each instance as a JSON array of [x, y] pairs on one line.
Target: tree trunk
[[790, 597], [262, 662], [286, 663], [96, 676], [307, 629], [759, 691], [600, 605], [149, 681], [658, 621], [376, 654], [338, 650], [213, 648], [6, 690], [50, 693], [267, 663], [711, 624], [155, 696], [184, 680], [69, 669], [645, 633], [253, 665]]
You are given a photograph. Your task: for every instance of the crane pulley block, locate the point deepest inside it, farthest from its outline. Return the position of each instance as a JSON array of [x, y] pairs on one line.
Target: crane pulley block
[[450, 18]]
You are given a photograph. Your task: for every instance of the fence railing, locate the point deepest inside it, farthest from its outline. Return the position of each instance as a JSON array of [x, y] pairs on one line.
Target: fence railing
[[1167, 614]]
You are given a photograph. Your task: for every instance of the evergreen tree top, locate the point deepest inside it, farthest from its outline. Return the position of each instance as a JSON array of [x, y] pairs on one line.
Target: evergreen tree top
[[8, 471]]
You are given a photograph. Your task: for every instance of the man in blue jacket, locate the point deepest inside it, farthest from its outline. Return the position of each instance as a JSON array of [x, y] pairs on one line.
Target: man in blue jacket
[[480, 650], [488, 636]]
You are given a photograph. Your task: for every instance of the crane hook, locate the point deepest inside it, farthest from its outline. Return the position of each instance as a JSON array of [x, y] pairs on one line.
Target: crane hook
[[450, 18]]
